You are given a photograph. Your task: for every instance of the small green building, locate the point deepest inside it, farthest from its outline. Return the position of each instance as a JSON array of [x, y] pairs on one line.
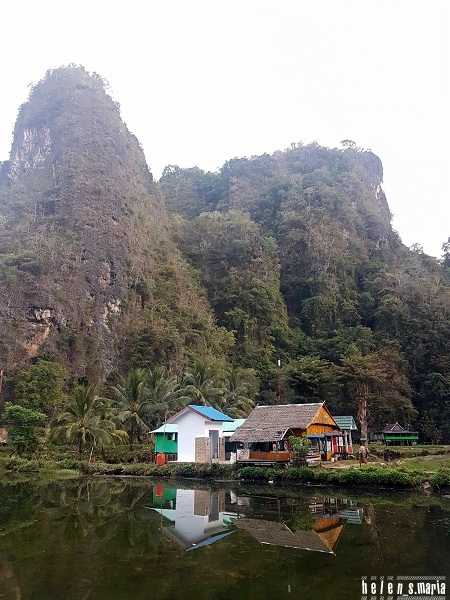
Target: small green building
[[166, 441], [396, 435]]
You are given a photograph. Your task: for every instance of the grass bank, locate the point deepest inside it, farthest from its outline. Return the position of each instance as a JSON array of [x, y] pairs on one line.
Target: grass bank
[[367, 476], [44, 467], [396, 452], [411, 474]]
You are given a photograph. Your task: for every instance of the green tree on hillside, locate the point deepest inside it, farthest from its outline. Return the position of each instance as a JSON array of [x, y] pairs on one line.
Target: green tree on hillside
[[380, 388], [24, 424], [41, 387], [311, 379], [202, 383], [165, 395], [131, 397], [239, 390], [84, 422]]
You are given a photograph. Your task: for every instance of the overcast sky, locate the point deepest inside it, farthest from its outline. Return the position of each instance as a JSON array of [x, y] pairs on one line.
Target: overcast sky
[[202, 81]]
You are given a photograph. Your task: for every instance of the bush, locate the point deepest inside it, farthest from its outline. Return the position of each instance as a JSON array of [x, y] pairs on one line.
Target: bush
[[19, 464], [441, 479], [123, 454], [257, 473], [368, 476], [193, 470], [24, 425], [202, 471], [102, 468]]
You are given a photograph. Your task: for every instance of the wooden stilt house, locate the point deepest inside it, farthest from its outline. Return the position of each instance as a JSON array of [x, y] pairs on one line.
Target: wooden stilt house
[[264, 436]]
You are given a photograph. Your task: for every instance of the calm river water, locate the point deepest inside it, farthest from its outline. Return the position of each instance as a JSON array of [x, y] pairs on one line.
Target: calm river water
[[113, 539]]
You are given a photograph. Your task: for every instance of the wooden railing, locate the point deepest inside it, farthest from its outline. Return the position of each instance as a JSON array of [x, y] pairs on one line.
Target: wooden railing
[[277, 456]]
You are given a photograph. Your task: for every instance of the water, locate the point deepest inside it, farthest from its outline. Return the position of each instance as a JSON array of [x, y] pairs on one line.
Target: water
[[113, 539]]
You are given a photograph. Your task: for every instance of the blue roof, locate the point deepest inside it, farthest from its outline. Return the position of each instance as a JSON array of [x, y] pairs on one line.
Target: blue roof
[[233, 425], [210, 413]]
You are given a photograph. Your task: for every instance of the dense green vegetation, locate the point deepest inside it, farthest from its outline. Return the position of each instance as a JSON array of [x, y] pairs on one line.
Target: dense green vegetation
[[276, 279], [366, 476], [361, 321], [94, 423]]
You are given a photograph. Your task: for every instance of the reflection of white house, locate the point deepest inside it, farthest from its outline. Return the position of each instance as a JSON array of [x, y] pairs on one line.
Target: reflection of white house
[[198, 519], [201, 435]]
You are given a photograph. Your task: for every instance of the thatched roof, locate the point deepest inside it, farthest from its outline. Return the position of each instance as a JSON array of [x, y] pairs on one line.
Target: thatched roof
[[271, 423], [278, 534]]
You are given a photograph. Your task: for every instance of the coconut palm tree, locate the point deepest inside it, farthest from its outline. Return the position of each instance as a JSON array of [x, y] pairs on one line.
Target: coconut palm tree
[[84, 421], [131, 397], [201, 384], [239, 390], [164, 394]]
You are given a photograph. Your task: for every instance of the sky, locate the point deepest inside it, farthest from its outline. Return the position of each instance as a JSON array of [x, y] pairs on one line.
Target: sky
[[203, 81]]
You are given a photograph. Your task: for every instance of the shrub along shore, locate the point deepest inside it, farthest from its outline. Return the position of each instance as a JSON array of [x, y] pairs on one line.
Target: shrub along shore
[[366, 476]]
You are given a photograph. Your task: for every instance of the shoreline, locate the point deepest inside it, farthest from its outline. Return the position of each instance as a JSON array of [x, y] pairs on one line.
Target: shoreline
[[368, 477]]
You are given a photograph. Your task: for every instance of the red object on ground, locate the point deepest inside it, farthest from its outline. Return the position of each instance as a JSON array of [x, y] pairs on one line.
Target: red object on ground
[[161, 459]]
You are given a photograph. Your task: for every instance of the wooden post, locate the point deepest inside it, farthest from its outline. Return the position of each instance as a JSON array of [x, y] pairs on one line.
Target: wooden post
[[346, 441]]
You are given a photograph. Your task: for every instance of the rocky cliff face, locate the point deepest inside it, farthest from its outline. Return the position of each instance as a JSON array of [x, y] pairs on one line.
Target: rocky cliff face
[[83, 229], [325, 208]]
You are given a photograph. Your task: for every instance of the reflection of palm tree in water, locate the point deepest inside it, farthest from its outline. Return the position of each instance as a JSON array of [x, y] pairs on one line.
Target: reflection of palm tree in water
[[89, 518], [98, 512], [8, 582]]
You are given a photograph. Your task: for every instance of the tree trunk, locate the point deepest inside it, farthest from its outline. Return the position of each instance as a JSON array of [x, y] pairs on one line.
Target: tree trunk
[[362, 412], [131, 436], [80, 445]]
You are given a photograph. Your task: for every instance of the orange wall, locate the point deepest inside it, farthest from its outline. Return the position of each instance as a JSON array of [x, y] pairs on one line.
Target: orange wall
[[318, 428], [321, 423]]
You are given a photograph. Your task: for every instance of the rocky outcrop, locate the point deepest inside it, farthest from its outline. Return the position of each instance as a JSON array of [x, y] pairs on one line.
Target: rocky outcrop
[[83, 228]]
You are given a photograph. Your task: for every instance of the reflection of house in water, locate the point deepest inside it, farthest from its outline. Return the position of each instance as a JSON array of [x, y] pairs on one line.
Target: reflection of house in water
[[345, 508], [198, 517], [323, 537], [316, 527], [192, 518]]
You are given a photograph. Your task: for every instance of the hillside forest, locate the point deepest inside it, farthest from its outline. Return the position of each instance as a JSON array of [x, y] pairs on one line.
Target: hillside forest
[[276, 279]]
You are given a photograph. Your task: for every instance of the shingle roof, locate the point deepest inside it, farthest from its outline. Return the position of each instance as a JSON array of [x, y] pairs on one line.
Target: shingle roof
[[270, 423], [345, 422], [210, 413]]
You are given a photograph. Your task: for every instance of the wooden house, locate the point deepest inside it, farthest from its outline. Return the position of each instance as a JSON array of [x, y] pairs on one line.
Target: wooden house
[[347, 425], [264, 437], [396, 435], [166, 441]]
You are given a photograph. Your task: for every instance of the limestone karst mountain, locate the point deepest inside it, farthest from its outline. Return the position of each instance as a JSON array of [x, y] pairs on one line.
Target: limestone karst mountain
[[84, 246], [281, 271]]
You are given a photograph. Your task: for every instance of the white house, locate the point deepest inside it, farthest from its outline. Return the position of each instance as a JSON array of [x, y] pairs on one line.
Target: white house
[[201, 434]]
